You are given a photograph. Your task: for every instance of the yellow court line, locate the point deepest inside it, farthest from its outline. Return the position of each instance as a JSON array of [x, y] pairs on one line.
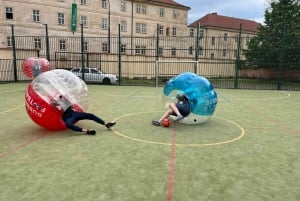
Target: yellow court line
[[181, 145], [6, 111]]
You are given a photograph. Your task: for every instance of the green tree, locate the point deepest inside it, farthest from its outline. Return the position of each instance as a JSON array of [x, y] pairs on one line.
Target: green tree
[[278, 40]]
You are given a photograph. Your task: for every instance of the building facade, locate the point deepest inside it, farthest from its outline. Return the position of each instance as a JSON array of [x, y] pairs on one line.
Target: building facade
[[98, 17], [222, 36]]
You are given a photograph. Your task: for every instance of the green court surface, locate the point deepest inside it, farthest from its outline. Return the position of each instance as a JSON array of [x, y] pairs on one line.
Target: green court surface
[[248, 151]]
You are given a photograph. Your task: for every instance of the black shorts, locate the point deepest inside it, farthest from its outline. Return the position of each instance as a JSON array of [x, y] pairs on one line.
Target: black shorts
[[184, 109]]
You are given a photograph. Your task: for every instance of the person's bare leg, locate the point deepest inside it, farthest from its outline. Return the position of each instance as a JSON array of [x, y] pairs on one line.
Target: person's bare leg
[[166, 114], [175, 109]]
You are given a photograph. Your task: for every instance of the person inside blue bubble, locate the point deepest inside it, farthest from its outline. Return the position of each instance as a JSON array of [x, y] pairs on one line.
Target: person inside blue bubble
[[180, 109]]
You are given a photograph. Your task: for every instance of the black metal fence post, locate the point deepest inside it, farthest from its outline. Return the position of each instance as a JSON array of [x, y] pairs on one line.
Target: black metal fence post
[[156, 66], [14, 52], [197, 47], [238, 59], [119, 54], [82, 52], [47, 43]]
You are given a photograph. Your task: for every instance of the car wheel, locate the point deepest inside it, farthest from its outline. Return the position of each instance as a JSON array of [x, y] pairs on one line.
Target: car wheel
[[106, 81]]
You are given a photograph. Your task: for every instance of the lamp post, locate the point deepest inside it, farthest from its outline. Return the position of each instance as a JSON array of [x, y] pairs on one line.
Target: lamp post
[[108, 37]]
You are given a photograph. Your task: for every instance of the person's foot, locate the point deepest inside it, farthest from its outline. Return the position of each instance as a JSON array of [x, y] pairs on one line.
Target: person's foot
[[179, 118], [91, 132], [110, 124], [156, 123]]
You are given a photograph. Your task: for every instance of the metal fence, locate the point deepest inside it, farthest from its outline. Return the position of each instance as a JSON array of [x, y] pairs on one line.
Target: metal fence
[[147, 60]]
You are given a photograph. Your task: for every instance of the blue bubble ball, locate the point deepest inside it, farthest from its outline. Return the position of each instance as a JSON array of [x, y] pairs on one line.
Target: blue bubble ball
[[200, 92]]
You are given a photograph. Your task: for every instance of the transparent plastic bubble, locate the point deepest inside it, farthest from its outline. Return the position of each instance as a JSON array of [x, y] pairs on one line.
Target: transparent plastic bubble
[[49, 86], [199, 91]]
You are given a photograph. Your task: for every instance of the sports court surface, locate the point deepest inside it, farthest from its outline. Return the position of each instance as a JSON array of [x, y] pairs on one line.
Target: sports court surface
[[249, 150]]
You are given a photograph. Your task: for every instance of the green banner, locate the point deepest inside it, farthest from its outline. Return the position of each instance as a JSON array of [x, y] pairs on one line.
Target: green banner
[[74, 17]]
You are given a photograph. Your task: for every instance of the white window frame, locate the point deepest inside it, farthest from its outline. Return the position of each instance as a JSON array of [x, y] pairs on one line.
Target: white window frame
[[9, 11], [162, 12], [9, 41], [84, 21], [61, 18], [123, 26], [62, 45], [104, 3], [123, 6], [37, 43], [104, 24], [36, 16], [104, 47]]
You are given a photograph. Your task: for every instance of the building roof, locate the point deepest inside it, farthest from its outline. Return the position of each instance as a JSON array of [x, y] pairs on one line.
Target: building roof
[[219, 21], [170, 2]]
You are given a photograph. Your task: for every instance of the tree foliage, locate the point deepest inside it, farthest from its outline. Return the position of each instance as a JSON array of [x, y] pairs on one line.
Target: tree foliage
[[278, 40]]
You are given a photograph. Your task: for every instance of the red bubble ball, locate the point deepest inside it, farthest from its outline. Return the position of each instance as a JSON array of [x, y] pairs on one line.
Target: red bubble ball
[[42, 112], [33, 66]]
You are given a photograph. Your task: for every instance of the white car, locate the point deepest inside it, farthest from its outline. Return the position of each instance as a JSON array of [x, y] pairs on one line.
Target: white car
[[95, 75]]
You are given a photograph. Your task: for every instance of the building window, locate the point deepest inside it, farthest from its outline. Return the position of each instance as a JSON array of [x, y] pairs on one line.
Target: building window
[[168, 31], [9, 13], [123, 48], [191, 32], [225, 36], [213, 40], [175, 14], [212, 56], [9, 41], [161, 30], [236, 38], [123, 6], [104, 4], [85, 46], [82, 2], [104, 47], [173, 51], [37, 43], [248, 39], [224, 53], [201, 34], [160, 51], [104, 24], [83, 21], [61, 18], [140, 49], [141, 9], [200, 51], [62, 45], [190, 50], [123, 26], [36, 15], [235, 53], [161, 12], [174, 31], [141, 28]]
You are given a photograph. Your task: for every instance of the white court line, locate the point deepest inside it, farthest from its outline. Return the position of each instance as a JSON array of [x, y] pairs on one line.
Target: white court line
[[9, 110]]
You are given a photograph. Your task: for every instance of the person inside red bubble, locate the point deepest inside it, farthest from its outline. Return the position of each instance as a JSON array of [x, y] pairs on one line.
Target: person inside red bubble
[[180, 109], [70, 116], [36, 68]]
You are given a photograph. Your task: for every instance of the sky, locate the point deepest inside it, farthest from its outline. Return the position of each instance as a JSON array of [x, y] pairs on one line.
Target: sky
[[244, 9]]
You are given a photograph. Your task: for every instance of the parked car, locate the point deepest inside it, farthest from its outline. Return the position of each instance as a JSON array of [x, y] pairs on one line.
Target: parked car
[[94, 75]]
